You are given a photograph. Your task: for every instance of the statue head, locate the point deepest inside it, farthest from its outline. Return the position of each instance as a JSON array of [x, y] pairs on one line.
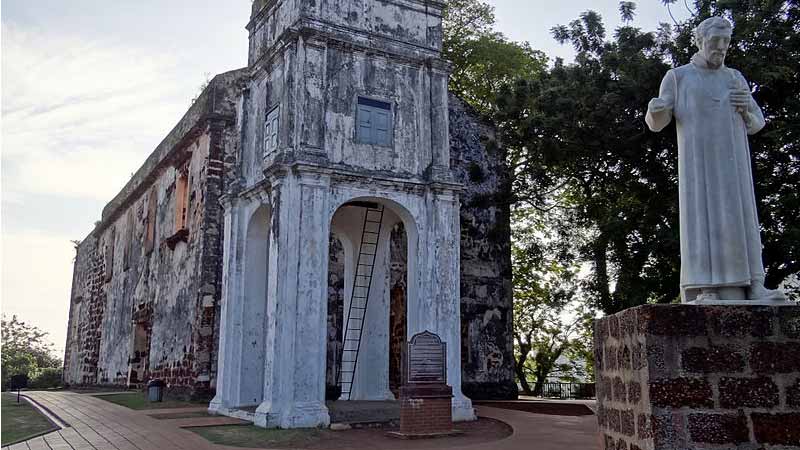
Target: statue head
[[713, 37]]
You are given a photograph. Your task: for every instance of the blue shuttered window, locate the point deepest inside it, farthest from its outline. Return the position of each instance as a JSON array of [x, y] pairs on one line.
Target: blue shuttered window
[[271, 132], [373, 122]]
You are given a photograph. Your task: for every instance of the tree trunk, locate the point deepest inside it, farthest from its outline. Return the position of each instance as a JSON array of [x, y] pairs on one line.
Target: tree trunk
[[541, 377], [520, 369]]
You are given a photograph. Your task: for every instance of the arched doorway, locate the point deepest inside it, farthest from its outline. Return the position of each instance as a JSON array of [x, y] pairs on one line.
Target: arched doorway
[[367, 300], [254, 308]]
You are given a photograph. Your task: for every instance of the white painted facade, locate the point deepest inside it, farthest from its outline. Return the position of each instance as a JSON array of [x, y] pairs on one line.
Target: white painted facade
[[312, 62]]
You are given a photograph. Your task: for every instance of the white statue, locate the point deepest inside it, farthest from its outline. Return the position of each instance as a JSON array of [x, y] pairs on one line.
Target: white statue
[[714, 113]]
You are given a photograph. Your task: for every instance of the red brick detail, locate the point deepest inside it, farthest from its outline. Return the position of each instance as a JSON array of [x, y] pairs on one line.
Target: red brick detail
[[634, 392], [639, 356], [672, 320], [426, 415], [776, 429], [620, 394], [627, 423], [736, 322], [627, 323], [719, 428], [773, 357], [613, 420], [644, 427], [613, 327], [611, 358], [715, 359], [680, 392], [747, 392], [624, 359]]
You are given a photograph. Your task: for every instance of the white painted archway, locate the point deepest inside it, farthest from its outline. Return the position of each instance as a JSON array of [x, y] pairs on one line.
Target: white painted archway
[[371, 381]]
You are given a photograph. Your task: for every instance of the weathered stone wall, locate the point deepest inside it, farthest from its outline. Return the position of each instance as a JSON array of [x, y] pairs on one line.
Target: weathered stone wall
[[303, 62], [673, 377], [144, 289], [478, 163]]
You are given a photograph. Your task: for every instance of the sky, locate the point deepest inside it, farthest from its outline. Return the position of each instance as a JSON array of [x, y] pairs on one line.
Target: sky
[[89, 89]]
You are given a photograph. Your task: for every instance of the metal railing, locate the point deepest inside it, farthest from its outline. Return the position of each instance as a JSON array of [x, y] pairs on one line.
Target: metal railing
[[568, 390]]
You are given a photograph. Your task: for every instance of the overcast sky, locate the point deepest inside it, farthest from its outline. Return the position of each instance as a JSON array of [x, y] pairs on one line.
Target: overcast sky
[[90, 87]]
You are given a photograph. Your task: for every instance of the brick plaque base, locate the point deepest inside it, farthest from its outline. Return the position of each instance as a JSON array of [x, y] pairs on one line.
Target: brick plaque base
[[426, 411], [673, 377]]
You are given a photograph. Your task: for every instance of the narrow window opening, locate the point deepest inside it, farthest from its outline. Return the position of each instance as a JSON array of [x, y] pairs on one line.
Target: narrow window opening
[[109, 254], [150, 232], [128, 244], [182, 199], [271, 131]]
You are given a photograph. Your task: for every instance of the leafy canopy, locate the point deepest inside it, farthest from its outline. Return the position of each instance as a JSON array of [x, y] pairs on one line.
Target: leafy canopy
[[578, 143], [483, 59], [25, 350]]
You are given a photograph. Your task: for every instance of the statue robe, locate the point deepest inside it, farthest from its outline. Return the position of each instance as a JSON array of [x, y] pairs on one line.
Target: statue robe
[[720, 235]]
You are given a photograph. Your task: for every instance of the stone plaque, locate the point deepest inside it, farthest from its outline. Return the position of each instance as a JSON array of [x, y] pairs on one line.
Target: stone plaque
[[425, 360]]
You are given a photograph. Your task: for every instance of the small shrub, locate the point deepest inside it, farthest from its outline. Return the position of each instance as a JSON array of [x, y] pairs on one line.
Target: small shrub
[[48, 378]]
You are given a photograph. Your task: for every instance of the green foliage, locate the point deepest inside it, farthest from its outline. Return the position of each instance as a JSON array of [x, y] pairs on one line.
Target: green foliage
[[47, 378], [551, 317], [484, 60], [25, 350], [578, 144]]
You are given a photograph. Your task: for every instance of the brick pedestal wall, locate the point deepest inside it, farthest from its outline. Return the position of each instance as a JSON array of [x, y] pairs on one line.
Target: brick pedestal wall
[[426, 410], [673, 377]]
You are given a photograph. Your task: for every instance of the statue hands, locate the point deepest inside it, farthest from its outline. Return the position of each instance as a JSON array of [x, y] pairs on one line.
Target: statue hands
[[740, 99]]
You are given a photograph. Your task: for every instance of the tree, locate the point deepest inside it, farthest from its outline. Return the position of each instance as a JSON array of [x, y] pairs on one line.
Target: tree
[[549, 315], [578, 143], [484, 60], [25, 350]]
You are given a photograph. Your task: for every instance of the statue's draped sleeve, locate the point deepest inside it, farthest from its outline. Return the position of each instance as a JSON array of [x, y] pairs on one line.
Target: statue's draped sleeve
[[657, 121], [755, 121]]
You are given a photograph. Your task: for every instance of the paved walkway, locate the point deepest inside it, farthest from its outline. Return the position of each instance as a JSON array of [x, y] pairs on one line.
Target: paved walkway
[[96, 424]]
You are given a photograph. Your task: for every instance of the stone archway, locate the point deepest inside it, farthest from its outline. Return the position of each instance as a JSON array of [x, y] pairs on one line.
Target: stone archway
[[254, 308], [378, 362]]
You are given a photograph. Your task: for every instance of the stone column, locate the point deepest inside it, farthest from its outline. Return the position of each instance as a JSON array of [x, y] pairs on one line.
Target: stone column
[[294, 394], [439, 73], [437, 307], [674, 377], [229, 358]]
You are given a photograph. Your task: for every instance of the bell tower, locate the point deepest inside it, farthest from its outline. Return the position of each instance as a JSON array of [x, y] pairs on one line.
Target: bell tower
[[344, 134]]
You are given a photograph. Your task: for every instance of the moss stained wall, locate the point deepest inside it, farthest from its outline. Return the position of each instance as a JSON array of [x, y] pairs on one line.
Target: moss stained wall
[[169, 291], [478, 162]]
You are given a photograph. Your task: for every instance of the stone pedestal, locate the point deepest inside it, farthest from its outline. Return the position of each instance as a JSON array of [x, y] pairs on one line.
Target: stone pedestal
[[675, 377], [425, 411]]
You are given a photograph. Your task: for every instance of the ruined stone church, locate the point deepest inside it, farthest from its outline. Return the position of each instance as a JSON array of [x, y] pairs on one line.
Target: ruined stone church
[[307, 215]]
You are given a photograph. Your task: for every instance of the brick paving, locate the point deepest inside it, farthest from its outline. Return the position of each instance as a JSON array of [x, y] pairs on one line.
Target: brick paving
[[96, 424]]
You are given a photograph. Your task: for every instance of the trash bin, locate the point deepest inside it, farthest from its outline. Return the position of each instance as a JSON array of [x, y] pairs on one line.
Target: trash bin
[[155, 390]]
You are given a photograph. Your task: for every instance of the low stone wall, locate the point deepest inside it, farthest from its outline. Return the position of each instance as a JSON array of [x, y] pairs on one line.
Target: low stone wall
[[699, 377]]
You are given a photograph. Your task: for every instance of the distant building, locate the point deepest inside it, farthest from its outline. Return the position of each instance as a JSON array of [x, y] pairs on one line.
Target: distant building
[[315, 208]]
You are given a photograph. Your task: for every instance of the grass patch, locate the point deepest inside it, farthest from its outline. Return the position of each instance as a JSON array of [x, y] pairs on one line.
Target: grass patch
[[256, 437], [138, 400], [20, 420]]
